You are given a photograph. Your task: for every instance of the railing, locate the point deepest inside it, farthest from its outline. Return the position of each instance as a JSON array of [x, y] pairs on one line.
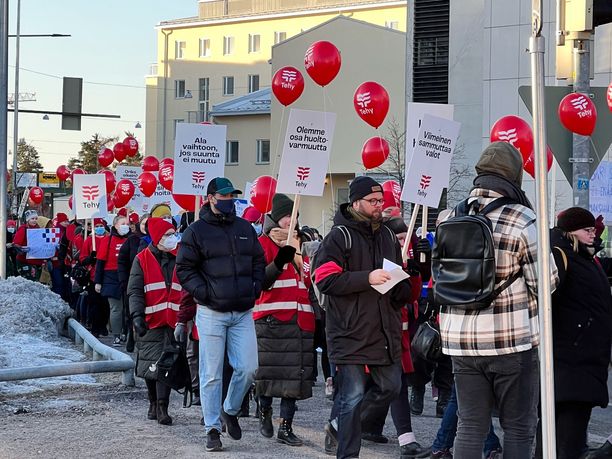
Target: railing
[[105, 360]]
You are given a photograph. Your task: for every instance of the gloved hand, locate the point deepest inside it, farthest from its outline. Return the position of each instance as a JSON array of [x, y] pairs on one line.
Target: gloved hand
[[140, 326], [180, 333], [599, 226], [412, 267], [285, 255], [423, 246]]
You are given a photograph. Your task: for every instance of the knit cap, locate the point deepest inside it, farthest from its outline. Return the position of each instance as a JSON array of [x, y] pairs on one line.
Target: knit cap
[[282, 206], [363, 186], [575, 218], [157, 228]]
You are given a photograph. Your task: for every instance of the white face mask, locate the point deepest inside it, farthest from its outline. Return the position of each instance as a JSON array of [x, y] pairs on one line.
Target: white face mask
[[169, 220], [170, 242], [11, 230], [123, 230]]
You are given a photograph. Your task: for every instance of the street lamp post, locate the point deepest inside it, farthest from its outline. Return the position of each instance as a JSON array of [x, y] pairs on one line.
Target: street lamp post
[[16, 106], [3, 130]]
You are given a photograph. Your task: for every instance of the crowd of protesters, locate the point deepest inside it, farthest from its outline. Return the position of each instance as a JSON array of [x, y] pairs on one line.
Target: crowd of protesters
[[252, 299]]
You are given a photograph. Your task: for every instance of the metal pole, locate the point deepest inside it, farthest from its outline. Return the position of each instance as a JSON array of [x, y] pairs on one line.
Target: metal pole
[[16, 103], [165, 96], [547, 388], [581, 149], [4, 18], [409, 74]]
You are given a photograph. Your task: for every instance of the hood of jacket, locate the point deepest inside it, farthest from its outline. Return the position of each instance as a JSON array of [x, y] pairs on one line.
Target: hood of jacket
[[343, 217]]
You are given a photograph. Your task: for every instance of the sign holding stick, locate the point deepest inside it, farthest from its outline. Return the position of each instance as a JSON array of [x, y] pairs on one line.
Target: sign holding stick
[[411, 225], [423, 258], [294, 212], [306, 152], [93, 236]]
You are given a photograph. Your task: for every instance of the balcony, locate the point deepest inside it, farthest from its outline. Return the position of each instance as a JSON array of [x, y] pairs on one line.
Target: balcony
[[153, 70]]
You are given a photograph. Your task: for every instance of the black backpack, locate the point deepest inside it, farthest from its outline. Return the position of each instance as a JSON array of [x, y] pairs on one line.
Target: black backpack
[[463, 259]]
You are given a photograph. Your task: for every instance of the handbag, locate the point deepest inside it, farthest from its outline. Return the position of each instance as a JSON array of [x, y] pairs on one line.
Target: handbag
[[427, 342], [173, 370]]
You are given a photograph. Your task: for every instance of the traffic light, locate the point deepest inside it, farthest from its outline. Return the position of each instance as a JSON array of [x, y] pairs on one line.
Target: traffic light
[[72, 100]]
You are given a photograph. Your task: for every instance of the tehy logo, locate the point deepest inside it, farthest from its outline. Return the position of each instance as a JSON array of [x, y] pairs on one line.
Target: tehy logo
[[509, 136], [397, 192], [303, 173], [425, 181], [198, 176], [579, 103], [309, 57], [364, 99], [124, 187], [289, 75], [91, 192]]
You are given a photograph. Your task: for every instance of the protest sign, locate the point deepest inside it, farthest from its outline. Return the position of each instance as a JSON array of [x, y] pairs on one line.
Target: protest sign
[[415, 111], [42, 242], [306, 152], [160, 196], [132, 173], [241, 204], [600, 192], [89, 195], [26, 179], [428, 172], [199, 156]]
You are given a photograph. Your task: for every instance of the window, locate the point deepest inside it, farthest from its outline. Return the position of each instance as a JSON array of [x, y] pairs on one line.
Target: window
[[231, 152], [254, 43], [432, 51], [253, 83], [342, 196], [228, 85], [279, 36], [228, 45], [176, 122], [392, 25], [179, 89], [179, 49], [263, 151], [204, 47], [204, 97]]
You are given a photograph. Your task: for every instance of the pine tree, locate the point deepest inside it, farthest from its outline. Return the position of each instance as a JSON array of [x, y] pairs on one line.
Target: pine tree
[[87, 158], [28, 159]]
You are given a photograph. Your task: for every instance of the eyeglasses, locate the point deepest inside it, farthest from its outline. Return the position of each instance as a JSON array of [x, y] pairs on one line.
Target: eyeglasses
[[589, 230], [374, 201]]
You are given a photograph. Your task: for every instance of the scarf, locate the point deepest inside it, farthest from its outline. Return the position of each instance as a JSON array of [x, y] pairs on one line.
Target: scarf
[[358, 216], [502, 186]]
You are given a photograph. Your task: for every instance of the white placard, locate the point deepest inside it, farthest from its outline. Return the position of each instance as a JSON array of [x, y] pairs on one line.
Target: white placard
[[397, 275], [600, 192], [415, 111], [199, 156], [42, 242], [26, 179], [161, 196], [132, 173], [89, 195], [241, 205], [428, 172], [306, 152]]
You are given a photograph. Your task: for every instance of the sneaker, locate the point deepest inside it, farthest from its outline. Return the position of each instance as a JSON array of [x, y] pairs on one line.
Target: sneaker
[[373, 437], [414, 451], [213, 441], [416, 400], [117, 341], [444, 454], [329, 388], [123, 338], [231, 422], [331, 441]]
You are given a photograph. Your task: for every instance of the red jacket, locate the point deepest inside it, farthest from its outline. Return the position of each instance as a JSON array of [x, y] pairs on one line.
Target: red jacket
[[86, 249], [21, 239], [161, 302], [108, 251], [288, 296]]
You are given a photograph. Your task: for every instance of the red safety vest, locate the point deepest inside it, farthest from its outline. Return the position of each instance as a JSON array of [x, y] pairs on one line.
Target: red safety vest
[[162, 303], [287, 296]]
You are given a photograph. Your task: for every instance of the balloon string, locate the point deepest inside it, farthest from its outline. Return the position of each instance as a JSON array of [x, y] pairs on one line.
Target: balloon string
[[329, 171]]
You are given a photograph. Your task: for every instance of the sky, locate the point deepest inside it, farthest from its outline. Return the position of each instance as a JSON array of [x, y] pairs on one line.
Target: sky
[[112, 45]]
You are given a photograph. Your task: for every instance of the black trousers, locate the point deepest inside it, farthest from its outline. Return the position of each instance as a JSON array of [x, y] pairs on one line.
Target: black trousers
[[287, 406], [320, 340], [373, 417], [571, 424]]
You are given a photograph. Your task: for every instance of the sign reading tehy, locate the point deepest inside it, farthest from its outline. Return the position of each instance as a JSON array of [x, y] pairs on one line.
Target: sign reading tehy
[[306, 152], [160, 196], [199, 156], [42, 242], [132, 173], [428, 172], [89, 195]]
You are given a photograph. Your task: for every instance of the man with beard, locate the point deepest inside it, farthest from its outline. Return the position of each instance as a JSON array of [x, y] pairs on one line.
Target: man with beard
[[364, 327]]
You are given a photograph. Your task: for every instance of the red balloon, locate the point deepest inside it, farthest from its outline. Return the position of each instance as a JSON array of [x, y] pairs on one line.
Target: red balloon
[[371, 102], [123, 192], [391, 194], [166, 162], [529, 164], [287, 85], [105, 157], [322, 61], [36, 195], [110, 202], [150, 163], [261, 193], [131, 146], [166, 176], [147, 183], [119, 151], [77, 171], [63, 173], [185, 201], [374, 152], [516, 131], [110, 180], [609, 96], [577, 113], [70, 202]]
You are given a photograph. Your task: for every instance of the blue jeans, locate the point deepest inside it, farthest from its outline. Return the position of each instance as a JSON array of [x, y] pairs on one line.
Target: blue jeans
[[236, 330], [448, 429]]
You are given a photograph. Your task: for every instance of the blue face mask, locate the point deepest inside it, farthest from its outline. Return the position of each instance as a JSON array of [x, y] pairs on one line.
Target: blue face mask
[[257, 227], [99, 230], [225, 206]]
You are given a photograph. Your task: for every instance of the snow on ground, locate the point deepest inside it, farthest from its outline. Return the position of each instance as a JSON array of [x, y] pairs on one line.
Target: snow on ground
[[29, 317]]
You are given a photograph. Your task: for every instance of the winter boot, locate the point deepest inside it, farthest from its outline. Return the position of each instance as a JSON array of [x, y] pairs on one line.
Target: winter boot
[[416, 400], [265, 422], [285, 434], [152, 393], [162, 413], [443, 398], [152, 413], [196, 401], [602, 452]]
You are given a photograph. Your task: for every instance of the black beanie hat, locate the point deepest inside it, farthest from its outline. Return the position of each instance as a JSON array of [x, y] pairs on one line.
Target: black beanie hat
[[575, 218], [282, 206], [363, 186], [397, 225]]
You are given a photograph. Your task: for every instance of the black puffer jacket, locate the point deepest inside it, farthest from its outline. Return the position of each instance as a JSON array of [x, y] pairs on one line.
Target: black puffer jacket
[[220, 262], [582, 325], [133, 245], [363, 326]]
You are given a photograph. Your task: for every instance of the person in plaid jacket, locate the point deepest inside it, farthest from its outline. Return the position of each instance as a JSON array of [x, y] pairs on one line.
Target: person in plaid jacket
[[494, 350]]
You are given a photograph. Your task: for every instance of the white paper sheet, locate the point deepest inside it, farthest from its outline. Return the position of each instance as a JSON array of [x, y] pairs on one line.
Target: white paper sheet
[[397, 275]]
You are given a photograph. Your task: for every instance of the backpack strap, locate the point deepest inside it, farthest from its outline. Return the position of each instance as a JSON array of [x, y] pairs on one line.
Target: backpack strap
[[348, 241], [506, 284], [463, 208], [496, 204]]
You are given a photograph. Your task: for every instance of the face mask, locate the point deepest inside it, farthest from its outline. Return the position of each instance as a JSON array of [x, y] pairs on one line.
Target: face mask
[[99, 230], [169, 220], [257, 227], [11, 230], [123, 230], [170, 242], [225, 206]]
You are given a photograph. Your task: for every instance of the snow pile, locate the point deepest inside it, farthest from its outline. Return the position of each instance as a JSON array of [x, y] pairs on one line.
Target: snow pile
[[29, 317]]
